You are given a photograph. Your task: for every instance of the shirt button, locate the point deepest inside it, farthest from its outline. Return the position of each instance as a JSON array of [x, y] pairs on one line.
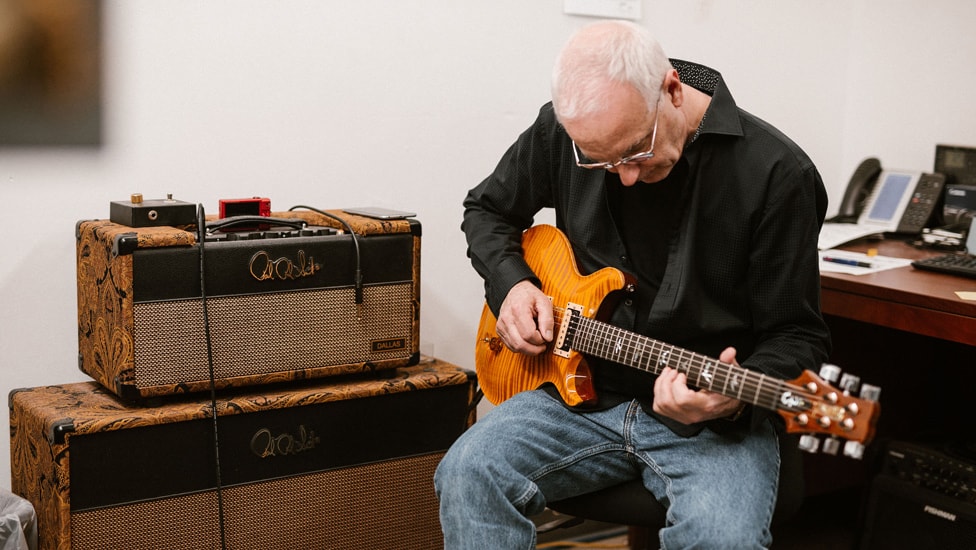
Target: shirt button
[[628, 302], [623, 259]]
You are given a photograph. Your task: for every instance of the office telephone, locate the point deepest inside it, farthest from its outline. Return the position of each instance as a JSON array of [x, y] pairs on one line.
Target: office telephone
[[893, 201]]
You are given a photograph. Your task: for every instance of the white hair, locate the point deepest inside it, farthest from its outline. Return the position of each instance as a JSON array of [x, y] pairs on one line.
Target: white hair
[[604, 52]]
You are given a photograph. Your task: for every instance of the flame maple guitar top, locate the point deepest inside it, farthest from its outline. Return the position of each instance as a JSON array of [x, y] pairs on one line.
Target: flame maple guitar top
[[501, 372]]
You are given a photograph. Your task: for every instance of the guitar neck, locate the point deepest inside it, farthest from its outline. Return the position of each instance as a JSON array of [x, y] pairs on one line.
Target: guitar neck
[[606, 341]]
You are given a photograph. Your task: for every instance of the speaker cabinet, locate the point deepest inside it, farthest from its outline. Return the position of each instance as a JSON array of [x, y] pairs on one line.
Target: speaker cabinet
[[346, 465], [902, 514], [281, 305]]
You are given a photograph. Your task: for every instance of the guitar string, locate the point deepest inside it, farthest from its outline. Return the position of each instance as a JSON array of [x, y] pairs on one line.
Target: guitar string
[[760, 386]]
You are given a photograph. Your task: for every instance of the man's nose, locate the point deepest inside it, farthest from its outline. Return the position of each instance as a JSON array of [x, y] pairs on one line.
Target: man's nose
[[628, 173]]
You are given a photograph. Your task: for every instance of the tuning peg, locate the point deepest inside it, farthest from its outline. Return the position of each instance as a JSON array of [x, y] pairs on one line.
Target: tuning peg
[[829, 372], [871, 393], [849, 383], [831, 446], [854, 450], [809, 443]]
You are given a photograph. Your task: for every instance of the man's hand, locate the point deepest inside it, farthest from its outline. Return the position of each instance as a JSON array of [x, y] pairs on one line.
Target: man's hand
[[525, 319], [674, 399]]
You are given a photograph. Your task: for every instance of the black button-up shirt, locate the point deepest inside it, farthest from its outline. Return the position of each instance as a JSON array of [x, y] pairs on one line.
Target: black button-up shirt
[[732, 263]]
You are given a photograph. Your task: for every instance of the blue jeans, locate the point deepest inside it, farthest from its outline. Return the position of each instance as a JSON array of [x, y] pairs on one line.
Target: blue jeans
[[720, 491]]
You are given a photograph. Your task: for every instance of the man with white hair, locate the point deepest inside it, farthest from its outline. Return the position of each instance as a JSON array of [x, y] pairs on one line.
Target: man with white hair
[[651, 169]]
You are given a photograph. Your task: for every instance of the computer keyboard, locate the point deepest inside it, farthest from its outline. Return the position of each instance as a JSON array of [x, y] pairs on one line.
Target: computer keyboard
[[954, 264]]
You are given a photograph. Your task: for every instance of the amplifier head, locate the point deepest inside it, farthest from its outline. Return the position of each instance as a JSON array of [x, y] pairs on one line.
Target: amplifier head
[[278, 305]]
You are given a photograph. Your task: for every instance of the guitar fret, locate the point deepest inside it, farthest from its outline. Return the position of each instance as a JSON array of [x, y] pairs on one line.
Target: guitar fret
[[635, 352], [707, 373], [738, 383], [662, 358], [755, 398], [773, 394], [605, 340], [722, 375], [647, 355], [686, 366]]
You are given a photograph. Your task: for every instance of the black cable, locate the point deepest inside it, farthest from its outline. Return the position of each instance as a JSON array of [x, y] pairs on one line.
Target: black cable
[[355, 241], [202, 237]]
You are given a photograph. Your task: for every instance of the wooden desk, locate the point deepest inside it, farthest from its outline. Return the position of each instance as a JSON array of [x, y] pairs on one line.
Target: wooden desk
[[908, 299], [906, 331]]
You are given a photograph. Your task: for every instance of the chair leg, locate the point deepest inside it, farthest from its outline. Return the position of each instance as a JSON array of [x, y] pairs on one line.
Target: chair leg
[[640, 538]]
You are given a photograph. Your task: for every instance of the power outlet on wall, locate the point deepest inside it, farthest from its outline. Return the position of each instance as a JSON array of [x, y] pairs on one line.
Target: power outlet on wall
[[620, 9]]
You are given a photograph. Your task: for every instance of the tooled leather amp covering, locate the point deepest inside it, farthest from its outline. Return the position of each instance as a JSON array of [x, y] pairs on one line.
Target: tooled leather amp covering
[[280, 309]]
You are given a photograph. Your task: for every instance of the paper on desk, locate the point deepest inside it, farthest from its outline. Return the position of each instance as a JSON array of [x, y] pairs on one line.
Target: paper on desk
[[878, 263]]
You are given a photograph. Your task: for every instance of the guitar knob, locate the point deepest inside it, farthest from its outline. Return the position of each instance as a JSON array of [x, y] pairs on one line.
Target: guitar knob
[[871, 393], [494, 344], [854, 450], [809, 443], [830, 372], [831, 446]]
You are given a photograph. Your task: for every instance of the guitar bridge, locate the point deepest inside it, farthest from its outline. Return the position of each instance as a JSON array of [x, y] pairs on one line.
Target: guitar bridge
[[567, 330]]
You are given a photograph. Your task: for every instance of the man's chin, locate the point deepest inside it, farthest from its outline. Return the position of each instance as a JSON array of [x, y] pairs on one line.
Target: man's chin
[[654, 176]]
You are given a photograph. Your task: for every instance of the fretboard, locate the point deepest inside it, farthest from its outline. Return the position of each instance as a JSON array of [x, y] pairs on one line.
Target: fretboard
[[612, 343]]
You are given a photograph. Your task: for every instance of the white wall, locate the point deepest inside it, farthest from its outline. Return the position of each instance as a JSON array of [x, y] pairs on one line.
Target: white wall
[[408, 104]]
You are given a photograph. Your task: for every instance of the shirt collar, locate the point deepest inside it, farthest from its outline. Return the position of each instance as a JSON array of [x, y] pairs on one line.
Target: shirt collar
[[722, 115]]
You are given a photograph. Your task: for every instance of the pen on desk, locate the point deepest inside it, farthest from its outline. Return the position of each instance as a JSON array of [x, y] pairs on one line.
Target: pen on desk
[[845, 261]]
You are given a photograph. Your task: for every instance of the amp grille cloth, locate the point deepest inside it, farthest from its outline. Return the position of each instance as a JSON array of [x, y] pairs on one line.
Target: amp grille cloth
[[388, 504], [269, 333]]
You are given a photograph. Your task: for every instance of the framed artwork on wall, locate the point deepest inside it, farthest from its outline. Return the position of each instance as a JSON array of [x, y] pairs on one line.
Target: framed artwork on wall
[[50, 73]]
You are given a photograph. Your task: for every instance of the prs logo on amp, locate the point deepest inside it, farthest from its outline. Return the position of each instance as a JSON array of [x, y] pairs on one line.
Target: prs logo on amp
[[266, 444], [265, 268]]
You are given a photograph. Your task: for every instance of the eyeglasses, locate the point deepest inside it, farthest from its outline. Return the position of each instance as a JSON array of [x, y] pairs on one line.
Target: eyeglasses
[[626, 160]]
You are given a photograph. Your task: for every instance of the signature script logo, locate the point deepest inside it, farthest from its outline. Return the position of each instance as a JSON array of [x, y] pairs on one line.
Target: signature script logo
[[791, 401], [265, 268], [266, 444]]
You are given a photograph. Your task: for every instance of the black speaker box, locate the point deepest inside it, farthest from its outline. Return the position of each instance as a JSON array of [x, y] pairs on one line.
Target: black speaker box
[[921, 500], [344, 465]]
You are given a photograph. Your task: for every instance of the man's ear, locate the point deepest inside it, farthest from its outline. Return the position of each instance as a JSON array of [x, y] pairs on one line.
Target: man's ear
[[672, 87]]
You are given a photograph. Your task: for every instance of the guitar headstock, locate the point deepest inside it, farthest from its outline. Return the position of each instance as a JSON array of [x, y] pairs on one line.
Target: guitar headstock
[[818, 408]]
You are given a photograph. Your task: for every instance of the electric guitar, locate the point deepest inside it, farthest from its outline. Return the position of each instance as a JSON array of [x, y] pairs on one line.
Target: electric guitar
[[808, 404]]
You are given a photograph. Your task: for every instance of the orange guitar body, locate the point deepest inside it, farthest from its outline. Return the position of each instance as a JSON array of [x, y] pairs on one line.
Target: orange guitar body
[[501, 372]]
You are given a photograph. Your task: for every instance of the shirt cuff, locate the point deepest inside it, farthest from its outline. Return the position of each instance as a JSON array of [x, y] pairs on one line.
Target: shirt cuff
[[509, 272]]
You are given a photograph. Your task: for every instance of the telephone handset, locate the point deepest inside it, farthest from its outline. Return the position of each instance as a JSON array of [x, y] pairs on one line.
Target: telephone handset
[[858, 190], [894, 201]]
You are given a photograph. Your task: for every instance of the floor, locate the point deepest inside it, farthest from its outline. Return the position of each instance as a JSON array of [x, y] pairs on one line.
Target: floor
[[824, 522]]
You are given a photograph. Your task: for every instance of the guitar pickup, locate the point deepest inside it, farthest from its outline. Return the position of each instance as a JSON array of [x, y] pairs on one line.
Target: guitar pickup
[[567, 330]]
